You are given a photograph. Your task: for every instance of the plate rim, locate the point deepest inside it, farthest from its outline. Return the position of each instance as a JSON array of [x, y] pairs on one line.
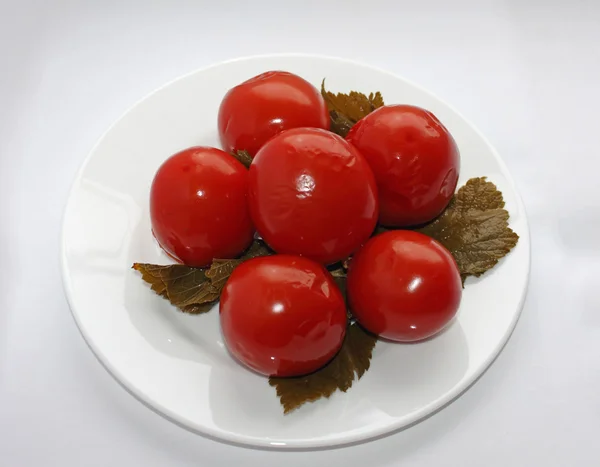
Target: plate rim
[[358, 437]]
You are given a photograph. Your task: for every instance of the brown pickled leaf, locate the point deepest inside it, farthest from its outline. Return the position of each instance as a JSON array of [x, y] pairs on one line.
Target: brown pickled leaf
[[152, 274], [185, 287], [244, 157], [474, 228], [478, 195], [258, 248], [195, 290], [340, 125], [351, 363], [221, 269], [198, 309], [347, 109]]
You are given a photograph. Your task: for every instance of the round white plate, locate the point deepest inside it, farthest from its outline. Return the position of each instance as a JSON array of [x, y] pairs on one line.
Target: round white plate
[[177, 364]]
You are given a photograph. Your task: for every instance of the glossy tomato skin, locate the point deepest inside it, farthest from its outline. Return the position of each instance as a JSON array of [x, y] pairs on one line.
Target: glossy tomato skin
[[415, 160], [312, 194], [265, 105], [282, 315], [198, 206], [404, 286]]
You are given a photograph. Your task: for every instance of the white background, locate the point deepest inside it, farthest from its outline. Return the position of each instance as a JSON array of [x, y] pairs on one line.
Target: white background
[[528, 75]]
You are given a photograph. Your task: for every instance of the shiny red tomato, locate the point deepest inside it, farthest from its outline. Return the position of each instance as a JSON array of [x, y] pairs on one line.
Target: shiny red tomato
[[415, 161], [282, 315], [198, 206], [265, 105], [312, 194], [404, 286]]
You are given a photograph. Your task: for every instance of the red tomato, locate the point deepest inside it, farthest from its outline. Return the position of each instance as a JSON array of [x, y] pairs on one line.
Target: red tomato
[[404, 286], [415, 161], [198, 206], [312, 194], [265, 105], [282, 315]]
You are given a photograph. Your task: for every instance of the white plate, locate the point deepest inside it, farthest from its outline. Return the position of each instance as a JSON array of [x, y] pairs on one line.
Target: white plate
[[177, 364]]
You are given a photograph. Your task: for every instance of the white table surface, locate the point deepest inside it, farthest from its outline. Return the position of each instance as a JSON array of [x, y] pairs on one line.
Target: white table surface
[[527, 73]]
